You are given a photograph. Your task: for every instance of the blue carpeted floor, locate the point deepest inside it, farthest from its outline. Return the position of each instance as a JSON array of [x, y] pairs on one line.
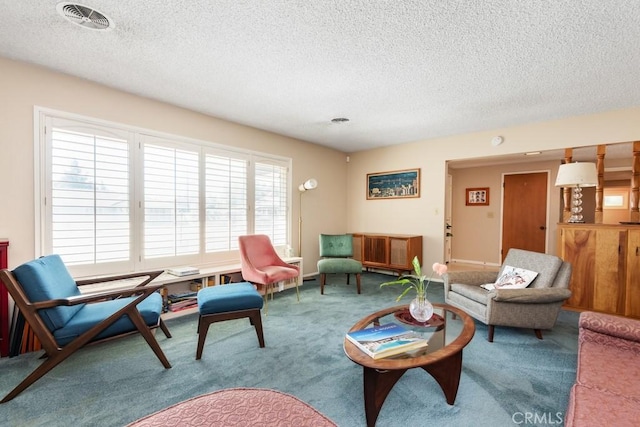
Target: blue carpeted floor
[[504, 383]]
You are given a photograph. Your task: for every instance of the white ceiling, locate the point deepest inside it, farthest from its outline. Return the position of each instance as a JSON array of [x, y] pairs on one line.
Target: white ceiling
[[401, 71]]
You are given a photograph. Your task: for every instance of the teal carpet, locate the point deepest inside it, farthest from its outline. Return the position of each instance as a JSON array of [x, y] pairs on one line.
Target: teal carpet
[[504, 383]]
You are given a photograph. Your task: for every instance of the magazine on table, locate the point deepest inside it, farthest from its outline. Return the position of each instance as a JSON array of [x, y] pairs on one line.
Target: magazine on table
[[386, 340]]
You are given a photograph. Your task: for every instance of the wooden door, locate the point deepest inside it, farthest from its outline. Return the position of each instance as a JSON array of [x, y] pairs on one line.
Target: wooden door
[[524, 213]]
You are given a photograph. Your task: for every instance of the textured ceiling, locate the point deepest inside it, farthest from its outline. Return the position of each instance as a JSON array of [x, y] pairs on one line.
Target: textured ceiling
[[399, 70]]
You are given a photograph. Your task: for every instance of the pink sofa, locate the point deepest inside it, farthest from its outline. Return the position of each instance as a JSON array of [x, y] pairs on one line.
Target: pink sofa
[[607, 387]]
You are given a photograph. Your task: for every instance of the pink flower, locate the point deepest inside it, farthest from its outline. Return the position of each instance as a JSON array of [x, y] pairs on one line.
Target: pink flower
[[439, 269]]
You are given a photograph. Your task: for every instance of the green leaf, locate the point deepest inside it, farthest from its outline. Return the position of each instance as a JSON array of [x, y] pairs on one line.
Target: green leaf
[[416, 265]]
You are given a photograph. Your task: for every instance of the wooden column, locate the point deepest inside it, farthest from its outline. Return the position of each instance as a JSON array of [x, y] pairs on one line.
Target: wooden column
[[566, 192], [634, 214], [602, 150]]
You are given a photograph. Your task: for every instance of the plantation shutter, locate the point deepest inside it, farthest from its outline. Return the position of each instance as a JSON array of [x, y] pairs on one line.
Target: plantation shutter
[[271, 201], [89, 187], [226, 201], [171, 201]]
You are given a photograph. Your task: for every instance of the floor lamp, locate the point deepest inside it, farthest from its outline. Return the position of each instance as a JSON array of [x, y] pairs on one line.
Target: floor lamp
[[575, 176], [309, 184]]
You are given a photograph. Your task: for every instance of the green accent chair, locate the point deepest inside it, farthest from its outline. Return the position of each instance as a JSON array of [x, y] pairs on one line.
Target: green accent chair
[[336, 251]]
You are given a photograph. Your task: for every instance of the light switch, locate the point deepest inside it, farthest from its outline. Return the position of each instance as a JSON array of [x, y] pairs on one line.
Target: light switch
[[490, 215]]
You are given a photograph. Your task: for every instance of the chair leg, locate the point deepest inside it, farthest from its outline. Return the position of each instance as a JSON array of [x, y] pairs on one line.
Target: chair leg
[[348, 276], [50, 363], [256, 321], [323, 279], [266, 300], [203, 328], [538, 333], [164, 328], [137, 320], [358, 282], [491, 328], [297, 290]]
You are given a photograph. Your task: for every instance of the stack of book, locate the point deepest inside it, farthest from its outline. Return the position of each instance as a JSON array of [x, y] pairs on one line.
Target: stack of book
[[183, 271], [386, 340], [182, 301]]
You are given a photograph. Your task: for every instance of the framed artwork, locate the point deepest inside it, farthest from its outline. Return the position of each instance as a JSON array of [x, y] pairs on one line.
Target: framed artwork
[[393, 185], [477, 196]]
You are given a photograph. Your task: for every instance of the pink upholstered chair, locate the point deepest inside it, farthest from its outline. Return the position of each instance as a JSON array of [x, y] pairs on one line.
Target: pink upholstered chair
[[261, 264]]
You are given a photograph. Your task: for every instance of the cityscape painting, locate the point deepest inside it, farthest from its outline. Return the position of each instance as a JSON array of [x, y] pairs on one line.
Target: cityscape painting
[[394, 184]]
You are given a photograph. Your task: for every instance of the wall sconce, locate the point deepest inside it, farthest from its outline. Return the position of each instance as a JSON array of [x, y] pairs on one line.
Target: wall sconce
[[575, 176], [310, 184]]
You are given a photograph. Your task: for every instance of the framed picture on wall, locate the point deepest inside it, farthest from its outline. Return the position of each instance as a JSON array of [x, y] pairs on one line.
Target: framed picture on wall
[[477, 196], [393, 185]]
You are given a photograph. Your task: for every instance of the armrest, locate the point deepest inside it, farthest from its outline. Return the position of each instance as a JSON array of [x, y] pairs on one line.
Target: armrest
[[479, 277], [531, 296], [97, 296], [151, 276], [608, 324]]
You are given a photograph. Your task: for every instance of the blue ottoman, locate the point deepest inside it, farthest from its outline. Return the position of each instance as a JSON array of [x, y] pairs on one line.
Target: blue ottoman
[[227, 302]]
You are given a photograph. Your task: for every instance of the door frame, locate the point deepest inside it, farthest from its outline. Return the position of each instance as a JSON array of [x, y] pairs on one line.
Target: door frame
[[547, 207]]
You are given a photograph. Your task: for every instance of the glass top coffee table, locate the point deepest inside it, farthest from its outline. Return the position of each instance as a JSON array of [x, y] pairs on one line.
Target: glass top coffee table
[[448, 332]]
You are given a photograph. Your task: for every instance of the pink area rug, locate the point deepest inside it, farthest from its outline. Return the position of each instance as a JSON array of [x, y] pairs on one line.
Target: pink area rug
[[238, 407]]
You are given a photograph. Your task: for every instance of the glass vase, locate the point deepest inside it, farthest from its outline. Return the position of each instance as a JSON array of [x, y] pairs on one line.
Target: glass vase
[[420, 308]]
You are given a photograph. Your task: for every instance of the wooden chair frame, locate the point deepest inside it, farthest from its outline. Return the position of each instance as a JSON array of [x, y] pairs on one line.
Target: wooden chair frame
[[56, 354]]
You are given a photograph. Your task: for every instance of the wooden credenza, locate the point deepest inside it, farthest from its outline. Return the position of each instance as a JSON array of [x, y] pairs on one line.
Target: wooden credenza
[[387, 251], [606, 267]]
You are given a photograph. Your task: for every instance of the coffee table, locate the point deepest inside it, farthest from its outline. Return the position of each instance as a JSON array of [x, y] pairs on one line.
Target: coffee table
[[448, 332]]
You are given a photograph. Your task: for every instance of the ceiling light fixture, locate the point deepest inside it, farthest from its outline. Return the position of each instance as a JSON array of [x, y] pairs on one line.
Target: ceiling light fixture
[[339, 120], [533, 153], [84, 16]]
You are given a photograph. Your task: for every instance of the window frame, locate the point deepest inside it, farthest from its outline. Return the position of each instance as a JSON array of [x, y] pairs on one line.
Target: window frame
[[44, 118]]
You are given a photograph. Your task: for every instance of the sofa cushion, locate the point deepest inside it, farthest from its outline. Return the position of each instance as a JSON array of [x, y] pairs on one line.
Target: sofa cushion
[[336, 245], [475, 293], [339, 265], [91, 314], [47, 278], [593, 407], [608, 362]]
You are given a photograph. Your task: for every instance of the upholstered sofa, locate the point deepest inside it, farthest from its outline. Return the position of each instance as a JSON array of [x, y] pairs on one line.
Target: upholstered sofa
[[607, 387]]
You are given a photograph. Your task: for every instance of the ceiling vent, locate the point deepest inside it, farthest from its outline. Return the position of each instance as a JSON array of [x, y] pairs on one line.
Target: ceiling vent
[[84, 16]]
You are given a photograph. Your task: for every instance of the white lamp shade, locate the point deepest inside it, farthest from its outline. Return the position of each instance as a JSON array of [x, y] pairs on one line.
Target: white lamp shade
[[577, 175], [309, 184]]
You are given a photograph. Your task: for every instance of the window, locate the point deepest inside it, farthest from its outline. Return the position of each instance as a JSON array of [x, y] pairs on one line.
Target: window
[[115, 199], [226, 202]]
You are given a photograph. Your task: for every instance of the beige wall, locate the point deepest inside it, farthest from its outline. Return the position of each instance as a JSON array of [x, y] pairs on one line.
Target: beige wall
[[338, 204], [426, 216], [24, 86]]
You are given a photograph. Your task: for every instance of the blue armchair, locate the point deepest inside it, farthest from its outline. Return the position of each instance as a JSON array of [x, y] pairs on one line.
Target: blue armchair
[[65, 320]]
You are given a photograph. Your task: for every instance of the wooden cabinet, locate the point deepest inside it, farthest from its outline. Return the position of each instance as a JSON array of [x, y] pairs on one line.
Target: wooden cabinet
[[605, 268], [632, 300], [387, 251]]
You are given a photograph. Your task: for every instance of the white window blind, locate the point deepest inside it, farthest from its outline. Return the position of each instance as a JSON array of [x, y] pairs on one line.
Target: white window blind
[[116, 199], [271, 201], [226, 201], [171, 202], [90, 198]]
